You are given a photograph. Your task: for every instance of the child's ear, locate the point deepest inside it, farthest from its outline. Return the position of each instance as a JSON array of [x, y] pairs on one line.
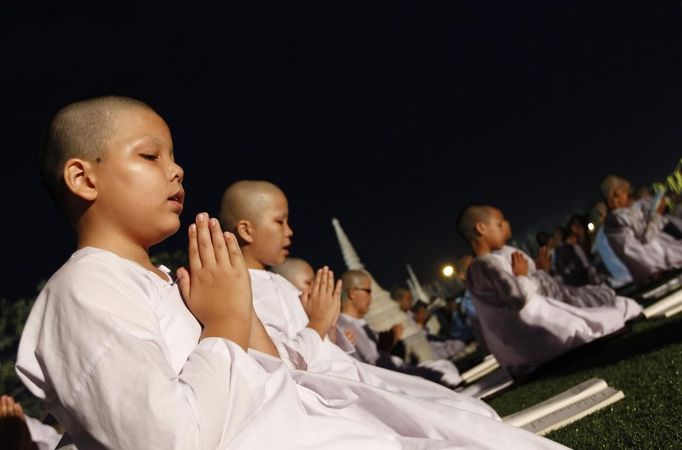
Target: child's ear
[[480, 228], [245, 231], [79, 178]]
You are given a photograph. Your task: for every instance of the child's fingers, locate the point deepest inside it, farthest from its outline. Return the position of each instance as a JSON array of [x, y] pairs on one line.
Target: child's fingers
[[184, 283], [330, 283], [337, 290], [204, 240], [233, 250], [324, 278], [315, 288], [193, 248], [218, 240]]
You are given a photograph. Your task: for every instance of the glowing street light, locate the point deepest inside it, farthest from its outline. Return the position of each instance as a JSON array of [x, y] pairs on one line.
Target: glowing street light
[[590, 226], [448, 271]]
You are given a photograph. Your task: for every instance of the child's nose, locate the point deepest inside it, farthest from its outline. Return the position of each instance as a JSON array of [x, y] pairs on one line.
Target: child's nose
[[176, 172]]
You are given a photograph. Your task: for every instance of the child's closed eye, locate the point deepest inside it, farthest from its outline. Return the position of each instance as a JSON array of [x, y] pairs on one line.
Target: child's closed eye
[[149, 156]]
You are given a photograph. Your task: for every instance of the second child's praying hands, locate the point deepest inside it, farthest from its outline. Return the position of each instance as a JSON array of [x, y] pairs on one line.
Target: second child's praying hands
[[322, 302]]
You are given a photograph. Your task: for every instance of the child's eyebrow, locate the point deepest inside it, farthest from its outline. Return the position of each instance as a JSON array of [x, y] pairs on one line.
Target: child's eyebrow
[[150, 139]]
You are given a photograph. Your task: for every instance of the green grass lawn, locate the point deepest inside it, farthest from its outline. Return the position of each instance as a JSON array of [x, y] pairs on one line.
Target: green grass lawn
[[645, 363]]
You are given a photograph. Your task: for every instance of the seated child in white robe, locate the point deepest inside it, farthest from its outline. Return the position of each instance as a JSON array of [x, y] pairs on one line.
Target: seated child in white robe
[[258, 213], [522, 327], [636, 232], [111, 347]]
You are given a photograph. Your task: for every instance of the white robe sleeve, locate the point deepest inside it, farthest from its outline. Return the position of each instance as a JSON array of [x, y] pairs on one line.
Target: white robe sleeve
[[92, 349], [366, 349], [507, 290]]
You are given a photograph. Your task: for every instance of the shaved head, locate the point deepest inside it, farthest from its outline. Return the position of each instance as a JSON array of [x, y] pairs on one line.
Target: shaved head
[[246, 200], [80, 130], [611, 183], [469, 217], [297, 271], [352, 279]]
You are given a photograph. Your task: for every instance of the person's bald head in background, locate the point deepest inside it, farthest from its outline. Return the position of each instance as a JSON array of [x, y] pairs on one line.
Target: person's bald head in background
[[246, 200], [616, 191], [257, 212], [298, 272]]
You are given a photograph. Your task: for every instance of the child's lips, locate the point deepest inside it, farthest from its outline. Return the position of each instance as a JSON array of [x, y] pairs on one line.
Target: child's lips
[[178, 199]]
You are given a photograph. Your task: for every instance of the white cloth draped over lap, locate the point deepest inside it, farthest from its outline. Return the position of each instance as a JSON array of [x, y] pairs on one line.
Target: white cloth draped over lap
[[408, 405], [524, 328], [644, 249], [114, 353], [426, 420]]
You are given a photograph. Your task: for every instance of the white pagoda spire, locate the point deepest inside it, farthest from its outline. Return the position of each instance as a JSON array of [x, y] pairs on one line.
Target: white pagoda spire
[[350, 256], [416, 285]]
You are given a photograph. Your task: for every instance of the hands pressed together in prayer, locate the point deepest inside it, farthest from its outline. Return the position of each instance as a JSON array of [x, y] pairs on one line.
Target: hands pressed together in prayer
[[322, 303], [217, 287], [519, 264]]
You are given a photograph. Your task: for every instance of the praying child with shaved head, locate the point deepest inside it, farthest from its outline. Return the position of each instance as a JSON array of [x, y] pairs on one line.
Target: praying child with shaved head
[[636, 231], [110, 346], [522, 326]]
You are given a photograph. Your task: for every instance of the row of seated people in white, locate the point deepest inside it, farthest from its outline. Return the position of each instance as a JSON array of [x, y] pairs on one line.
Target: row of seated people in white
[[638, 237], [333, 379], [529, 320], [135, 371]]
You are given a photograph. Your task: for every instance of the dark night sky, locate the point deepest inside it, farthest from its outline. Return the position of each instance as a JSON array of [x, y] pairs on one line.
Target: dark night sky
[[525, 105]]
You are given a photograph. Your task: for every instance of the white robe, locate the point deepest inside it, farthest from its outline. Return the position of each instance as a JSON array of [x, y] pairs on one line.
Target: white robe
[[409, 405], [114, 353], [365, 348], [645, 250], [524, 328]]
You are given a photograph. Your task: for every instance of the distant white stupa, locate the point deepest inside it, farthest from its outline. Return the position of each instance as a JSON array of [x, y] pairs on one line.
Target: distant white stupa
[[383, 311], [418, 291]]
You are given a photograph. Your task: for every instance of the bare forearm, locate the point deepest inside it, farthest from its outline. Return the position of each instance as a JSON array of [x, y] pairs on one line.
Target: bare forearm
[[236, 328], [320, 326], [259, 339]]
